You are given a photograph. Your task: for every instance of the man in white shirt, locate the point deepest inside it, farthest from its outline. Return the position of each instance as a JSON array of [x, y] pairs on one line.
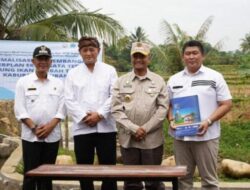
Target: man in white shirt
[[88, 99], [39, 105], [214, 102]]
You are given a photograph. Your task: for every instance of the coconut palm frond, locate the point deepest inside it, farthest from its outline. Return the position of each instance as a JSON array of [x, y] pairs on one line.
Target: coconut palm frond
[[203, 29], [90, 23], [139, 35], [218, 46], [70, 16], [43, 32], [84, 23], [159, 52], [167, 31], [39, 10]]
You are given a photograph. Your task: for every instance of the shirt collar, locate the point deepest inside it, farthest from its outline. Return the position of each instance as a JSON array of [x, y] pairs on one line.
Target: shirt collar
[[34, 76], [84, 66], [201, 70], [147, 76]]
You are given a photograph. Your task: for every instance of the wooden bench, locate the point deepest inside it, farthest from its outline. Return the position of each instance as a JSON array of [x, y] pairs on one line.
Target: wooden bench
[[116, 172]]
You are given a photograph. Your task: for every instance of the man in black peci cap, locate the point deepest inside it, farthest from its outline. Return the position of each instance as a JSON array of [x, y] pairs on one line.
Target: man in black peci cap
[[39, 105]]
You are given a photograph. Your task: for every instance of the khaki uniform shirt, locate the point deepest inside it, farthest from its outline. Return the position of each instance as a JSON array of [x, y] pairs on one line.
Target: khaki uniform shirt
[[140, 102]]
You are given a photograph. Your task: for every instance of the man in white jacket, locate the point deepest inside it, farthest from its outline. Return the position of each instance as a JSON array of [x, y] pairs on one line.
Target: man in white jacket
[[88, 99]]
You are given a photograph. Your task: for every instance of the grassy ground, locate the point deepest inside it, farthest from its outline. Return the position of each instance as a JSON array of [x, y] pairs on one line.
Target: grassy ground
[[235, 141]]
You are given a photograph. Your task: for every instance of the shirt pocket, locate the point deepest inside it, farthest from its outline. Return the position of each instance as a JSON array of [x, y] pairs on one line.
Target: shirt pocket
[[150, 97], [178, 89], [54, 97], [31, 98]]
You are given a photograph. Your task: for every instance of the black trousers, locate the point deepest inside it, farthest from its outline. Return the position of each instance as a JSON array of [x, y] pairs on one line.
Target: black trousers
[[34, 155], [105, 146], [137, 156]]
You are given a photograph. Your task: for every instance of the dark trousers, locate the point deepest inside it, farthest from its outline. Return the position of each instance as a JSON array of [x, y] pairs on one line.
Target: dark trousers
[[34, 155], [137, 156], [105, 146]]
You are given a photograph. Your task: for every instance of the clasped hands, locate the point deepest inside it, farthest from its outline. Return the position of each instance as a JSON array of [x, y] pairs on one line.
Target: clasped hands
[[91, 119], [43, 131], [140, 134]]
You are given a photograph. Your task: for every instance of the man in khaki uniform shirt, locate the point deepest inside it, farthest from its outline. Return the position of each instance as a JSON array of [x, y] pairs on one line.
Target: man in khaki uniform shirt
[[139, 106]]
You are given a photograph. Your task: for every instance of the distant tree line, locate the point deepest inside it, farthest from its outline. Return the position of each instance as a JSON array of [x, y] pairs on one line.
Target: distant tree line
[[167, 57]]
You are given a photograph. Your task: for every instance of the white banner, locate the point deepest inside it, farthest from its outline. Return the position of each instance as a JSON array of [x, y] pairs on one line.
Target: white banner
[[16, 56]]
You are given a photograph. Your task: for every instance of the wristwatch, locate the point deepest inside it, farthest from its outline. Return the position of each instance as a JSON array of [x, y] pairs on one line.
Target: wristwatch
[[33, 128], [100, 116], [209, 122]]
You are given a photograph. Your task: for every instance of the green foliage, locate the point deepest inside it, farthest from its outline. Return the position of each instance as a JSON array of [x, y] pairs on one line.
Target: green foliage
[[226, 178], [54, 20], [235, 141], [169, 55], [19, 168], [139, 35], [168, 146], [221, 58], [245, 45], [245, 64], [119, 55]]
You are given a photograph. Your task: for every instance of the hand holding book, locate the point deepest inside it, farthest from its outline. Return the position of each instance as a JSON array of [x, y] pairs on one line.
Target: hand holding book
[[203, 128]]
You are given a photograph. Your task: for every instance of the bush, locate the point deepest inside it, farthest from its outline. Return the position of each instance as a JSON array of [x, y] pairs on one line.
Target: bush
[[235, 141]]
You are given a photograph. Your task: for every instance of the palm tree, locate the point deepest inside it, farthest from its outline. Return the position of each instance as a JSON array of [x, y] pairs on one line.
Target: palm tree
[[56, 20], [170, 53], [245, 45], [119, 54], [139, 35]]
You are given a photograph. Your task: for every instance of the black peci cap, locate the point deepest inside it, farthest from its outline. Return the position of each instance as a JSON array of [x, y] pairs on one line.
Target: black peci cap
[[42, 51]]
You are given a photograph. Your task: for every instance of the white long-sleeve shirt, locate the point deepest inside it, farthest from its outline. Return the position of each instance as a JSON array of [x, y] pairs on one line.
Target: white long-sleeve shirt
[[41, 101], [90, 91]]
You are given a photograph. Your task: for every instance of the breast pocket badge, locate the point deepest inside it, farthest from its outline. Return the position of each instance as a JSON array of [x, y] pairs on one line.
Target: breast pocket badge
[[127, 98]]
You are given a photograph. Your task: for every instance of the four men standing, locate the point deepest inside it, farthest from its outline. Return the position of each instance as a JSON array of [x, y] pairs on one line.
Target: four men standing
[[139, 104]]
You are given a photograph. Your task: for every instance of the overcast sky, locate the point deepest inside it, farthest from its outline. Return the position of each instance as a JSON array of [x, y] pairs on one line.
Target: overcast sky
[[231, 17]]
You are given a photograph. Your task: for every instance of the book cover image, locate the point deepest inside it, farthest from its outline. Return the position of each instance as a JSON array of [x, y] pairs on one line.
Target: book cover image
[[186, 114]]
